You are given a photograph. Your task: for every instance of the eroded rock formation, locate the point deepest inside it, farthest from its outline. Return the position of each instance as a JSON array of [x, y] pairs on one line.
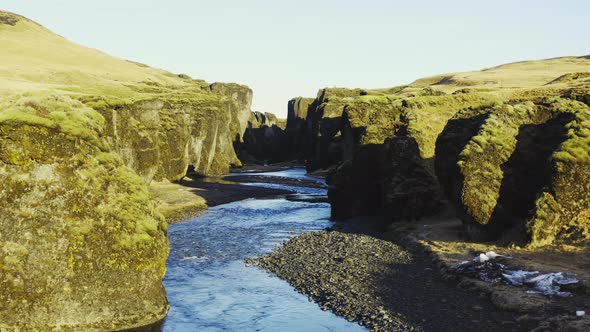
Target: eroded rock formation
[[509, 159], [395, 138], [518, 171], [82, 246]]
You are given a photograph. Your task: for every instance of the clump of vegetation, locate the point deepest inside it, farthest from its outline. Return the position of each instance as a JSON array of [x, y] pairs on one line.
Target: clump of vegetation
[[9, 18]]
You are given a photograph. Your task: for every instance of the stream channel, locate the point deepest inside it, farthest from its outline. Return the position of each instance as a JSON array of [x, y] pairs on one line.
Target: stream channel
[[210, 288]]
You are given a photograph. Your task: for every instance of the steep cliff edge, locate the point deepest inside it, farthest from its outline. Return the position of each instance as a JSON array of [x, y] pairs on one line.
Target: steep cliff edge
[[401, 152], [82, 245], [81, 239], [146, 109], [161, 135]]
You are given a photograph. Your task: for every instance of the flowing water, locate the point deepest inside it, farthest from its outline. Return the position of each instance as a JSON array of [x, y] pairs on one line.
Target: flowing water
[[210, 288]]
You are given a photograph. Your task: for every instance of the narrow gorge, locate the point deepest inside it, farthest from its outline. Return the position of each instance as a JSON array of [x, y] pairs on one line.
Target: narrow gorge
[[126, 191]]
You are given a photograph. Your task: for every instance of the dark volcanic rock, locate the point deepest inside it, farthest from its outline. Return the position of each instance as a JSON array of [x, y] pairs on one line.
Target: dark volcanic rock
[[388, 179], [356, 187], [264, 140], [298, 129]]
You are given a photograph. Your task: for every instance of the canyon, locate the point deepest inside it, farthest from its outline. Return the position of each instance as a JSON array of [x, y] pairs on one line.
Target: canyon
[[95, 153]]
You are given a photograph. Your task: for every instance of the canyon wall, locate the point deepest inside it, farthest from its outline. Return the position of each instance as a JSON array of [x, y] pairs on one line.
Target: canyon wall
[[161, 137], [82, 244], [264, 140], [508, 159]]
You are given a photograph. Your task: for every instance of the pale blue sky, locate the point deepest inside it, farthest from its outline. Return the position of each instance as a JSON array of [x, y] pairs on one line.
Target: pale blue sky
[[283, 49]]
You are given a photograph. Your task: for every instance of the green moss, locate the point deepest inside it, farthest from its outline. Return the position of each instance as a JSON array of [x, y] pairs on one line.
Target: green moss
[[481, 160], [427, 116], [576, 148], [54, 111], [75, 204]]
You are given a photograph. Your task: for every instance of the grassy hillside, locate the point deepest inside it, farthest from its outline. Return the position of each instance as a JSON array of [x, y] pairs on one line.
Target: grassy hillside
[[524, 74], [33, 58]]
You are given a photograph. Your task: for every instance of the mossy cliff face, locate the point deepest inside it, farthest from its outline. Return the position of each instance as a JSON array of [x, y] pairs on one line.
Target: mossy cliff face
[[394, 137], [510, 159], [161, 137], [82, 246], [517, 171], [241, 96]]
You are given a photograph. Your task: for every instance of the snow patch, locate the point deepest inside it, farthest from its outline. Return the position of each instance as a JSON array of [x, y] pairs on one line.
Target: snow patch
[[485, 267]]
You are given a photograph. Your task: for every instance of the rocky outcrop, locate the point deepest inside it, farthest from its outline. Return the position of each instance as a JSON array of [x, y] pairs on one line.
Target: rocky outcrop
[[298, 130], [515, 170], [508, 159], [388, 150], [161, 138], [264, 140], [325, 123], [81, 245]]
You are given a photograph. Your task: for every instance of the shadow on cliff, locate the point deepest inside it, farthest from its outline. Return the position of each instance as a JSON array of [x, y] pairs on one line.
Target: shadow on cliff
[[389, 180], [527, 174], [264, 145], [326, 144], [449, 144]]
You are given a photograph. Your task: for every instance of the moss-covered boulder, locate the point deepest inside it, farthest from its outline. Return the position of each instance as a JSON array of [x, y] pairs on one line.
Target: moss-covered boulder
[[81, 244], [515, 170]]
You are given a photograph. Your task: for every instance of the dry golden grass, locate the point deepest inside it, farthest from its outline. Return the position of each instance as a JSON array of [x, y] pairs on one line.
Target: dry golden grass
[[525, 74], [33, 58]]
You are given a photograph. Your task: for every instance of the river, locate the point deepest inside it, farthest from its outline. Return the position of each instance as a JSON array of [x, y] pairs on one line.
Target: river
[[210, 288]]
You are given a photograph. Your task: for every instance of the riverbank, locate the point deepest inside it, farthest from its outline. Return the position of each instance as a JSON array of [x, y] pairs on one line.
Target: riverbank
[[207, 284], [385, 286], [399, 279], [191, 196]]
